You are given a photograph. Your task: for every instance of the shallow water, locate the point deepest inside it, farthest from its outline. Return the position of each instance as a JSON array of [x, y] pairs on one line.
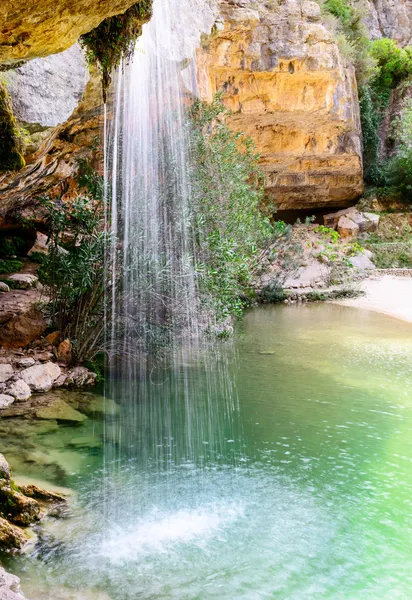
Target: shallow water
[[309, 498]]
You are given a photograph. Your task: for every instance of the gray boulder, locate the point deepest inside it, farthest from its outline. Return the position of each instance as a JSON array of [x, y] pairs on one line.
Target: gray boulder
[[45, 91], [19, 390], [40, 378], [5, 401], [6, 371]]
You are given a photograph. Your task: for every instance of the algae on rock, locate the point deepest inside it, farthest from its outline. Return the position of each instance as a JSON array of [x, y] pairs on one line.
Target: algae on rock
[[11, 144]]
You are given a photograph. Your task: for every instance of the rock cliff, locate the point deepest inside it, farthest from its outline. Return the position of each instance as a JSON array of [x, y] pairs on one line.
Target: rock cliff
[[34, 28], [390, 18], [283, 77], [45, 95]]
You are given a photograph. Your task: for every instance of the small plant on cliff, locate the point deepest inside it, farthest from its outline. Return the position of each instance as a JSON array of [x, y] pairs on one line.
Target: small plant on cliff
[[115, 39], [11, 143], [227, 195], [73, 271]]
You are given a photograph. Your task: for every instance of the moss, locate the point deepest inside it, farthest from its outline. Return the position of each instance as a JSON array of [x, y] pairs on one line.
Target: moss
[[115, 38], [11, 144]]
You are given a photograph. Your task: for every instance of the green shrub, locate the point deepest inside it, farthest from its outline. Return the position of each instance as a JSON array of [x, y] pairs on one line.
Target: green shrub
[[10, 266], [394, 64], [227, 196], [73, 271], [399, 169]]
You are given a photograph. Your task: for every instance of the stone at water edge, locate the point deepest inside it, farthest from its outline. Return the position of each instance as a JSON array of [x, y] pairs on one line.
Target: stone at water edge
[[5, 472], [9, 586], [5, 401], [23, 510], [33, 491], [19, 390], [40, 378], [6, 371], [80, 377], [4, 287], [11, 536]]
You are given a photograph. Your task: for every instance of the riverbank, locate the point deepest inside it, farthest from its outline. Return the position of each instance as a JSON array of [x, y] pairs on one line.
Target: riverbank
[[387, 294]]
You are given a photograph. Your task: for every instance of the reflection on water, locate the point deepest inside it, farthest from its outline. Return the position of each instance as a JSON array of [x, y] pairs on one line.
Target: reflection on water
[[317, 503]]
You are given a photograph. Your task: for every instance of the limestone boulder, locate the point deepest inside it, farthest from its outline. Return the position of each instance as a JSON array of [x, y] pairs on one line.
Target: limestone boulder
[[9, 586], [45, 92], [4, 287], [6, 372], [22, 281], [367, 222], [40, 378], [6, 400], [39, 246], [21, 322], [362, 261], [20, 390], [347, 228], [25, 362], [80, 377]]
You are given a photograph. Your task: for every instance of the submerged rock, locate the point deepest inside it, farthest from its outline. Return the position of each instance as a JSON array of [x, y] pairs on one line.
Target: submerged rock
[[59, 410]]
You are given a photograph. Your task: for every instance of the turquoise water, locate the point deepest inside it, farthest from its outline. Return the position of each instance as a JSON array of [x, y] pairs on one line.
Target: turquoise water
[[307, 493]]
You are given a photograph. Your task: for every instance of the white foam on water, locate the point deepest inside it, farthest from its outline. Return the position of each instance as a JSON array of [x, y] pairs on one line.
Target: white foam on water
[[158, 532]]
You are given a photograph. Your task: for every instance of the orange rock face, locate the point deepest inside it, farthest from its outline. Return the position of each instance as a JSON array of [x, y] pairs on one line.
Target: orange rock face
[[282, 76], [34, 28]]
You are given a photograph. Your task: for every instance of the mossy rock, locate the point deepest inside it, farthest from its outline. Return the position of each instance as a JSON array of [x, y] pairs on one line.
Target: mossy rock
[[11, 536], [11, 144], [60, 411]]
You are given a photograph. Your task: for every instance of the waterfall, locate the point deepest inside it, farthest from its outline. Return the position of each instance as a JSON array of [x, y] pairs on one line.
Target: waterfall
[[176, 384]]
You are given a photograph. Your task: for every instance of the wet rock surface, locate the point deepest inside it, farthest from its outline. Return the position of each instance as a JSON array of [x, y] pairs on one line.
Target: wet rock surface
[[20, 507]]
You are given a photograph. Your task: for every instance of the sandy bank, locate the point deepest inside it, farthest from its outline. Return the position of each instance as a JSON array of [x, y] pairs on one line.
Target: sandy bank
[[387, 294]]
